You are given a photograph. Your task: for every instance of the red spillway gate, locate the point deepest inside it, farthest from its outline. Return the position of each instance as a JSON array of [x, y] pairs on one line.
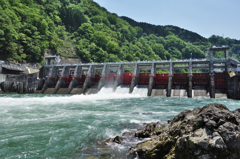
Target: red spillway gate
[[200, 79], [81, 79], [219, 80], [161, 78], [143, 78], [96, 79], [55, 80], [67, 80], [111, 78], [127, 78], [180, 79]]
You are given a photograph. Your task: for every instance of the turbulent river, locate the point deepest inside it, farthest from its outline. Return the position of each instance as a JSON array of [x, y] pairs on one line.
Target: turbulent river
[[55, 126]]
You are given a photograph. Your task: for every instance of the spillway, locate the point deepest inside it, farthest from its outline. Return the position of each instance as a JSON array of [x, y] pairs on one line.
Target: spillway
[[108, 89], [62, 91], [220, 94], [122, 89], [141, 90], [76, 91], [92, 90], [159, 91], [49, 91], [179, 92], [200, 92]]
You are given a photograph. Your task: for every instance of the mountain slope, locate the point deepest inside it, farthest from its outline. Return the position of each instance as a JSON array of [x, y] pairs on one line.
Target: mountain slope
[[104, 36], [164, 30], [32, 26], [189, 36], [25, 31]]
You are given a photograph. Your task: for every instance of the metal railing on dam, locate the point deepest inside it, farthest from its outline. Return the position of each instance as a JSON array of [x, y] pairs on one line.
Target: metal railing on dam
[[140, 62]]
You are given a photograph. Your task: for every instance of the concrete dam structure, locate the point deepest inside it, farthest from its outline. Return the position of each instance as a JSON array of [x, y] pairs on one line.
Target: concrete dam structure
[[91, 78]]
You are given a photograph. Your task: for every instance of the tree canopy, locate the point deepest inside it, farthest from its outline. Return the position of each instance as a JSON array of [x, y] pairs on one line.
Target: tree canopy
[[30, 27]]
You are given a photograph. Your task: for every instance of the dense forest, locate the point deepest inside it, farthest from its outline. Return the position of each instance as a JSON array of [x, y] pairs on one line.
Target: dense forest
[[30, 27]]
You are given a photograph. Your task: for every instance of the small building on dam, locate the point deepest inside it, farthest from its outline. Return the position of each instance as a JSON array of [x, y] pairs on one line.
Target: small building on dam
[[219, 78]]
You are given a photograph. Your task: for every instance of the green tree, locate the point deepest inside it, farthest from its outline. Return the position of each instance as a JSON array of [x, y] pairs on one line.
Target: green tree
[[112, 47], [100, 39], [85, 28], [112, 58], [160, 51]]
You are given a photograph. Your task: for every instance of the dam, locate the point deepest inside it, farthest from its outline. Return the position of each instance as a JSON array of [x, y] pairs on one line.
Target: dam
[[141, 76]]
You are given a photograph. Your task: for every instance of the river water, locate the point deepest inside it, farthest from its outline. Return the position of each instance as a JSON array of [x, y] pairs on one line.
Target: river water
[[55, 126]]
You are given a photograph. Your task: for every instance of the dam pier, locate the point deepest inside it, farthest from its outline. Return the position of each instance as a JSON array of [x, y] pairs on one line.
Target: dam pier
[[90, 78]]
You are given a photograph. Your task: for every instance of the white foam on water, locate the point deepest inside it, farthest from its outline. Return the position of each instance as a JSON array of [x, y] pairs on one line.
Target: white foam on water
[[141, 122], [90, 127], [111, 133], [125, 130], [106, 90], [123, 89], [86, 119], [59, 107], [140, 90], [105, 94], [46, 100]]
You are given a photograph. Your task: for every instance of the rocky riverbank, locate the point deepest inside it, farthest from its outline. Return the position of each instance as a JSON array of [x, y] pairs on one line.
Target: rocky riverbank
[[203, 133]]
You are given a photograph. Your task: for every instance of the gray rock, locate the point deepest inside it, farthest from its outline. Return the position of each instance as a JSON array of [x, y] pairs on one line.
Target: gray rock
[[118, 139], [206, 156], [231, 135], [147, 113], [150, 129], [204, 133]]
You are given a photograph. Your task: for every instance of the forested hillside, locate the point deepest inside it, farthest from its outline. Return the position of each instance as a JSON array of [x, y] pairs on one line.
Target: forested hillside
[[188, 36], [30, 27], [164, 31]]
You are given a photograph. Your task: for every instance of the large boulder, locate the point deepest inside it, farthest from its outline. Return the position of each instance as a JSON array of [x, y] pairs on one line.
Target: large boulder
[[203, 133]]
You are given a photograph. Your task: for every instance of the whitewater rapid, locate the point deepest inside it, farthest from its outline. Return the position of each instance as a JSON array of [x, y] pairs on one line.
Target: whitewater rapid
[[72, 126]]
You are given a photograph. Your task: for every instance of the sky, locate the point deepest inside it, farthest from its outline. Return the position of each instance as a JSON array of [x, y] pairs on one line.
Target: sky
[[205, 17]]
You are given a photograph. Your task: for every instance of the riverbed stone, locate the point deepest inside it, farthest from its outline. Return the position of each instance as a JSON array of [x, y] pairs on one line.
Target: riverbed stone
[[118, 140], [203, 133]]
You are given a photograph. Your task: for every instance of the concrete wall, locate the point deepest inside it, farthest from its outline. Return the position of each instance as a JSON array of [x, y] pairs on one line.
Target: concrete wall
[[29, 81], [233, 92], [2, 77]]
